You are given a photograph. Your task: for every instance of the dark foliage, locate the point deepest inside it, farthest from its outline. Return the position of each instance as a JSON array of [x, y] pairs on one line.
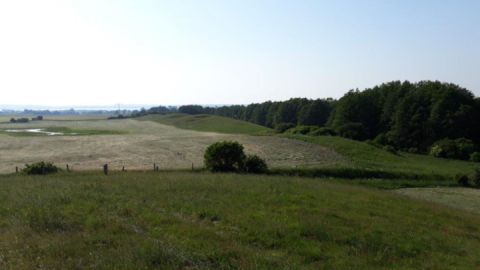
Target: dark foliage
[[462, 180], [455, 149], [255, 164], [282, 127], [323, 131], [40, 168], [476, 178], [475, 157], [224, 156], [354, 131]]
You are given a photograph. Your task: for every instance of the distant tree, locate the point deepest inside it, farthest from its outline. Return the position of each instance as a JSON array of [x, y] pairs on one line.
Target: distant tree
[[191, 109], [224, 156]]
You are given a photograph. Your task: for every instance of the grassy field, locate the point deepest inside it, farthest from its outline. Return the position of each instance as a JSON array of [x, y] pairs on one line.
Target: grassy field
[[209, 123], [366, 156], [138, 144], [204, 221], [460, 198]]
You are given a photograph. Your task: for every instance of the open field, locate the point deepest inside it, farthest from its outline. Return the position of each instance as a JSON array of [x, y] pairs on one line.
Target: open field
[[224, 221], [144, 142], [459, 198], [208, 123], [366, 156]]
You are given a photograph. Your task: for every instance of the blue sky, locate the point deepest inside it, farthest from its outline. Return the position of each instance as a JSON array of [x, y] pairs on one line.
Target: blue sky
[[223, 52]]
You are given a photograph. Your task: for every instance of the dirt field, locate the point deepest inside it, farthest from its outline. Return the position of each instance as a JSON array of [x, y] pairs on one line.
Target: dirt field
[[146, 142], [460, 198]]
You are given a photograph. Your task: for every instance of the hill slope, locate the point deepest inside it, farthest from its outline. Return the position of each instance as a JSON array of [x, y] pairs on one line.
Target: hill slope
[[208, 123], [205, 221]]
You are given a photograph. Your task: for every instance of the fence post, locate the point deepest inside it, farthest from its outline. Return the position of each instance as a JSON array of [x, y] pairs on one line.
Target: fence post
[[105, 169], [154, 166], [68, 168], [123, 168], [192, 167], [16, 169]]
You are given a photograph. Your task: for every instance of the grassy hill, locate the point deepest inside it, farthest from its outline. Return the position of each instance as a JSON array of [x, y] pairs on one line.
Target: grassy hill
[[365, 156], [202, 221], [208, 123]]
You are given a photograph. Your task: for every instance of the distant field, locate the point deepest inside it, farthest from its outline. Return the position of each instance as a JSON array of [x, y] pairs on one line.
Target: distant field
[[460, 198], [208, 123], [204, 221], [6, 118], [141, 143], [363, 155]]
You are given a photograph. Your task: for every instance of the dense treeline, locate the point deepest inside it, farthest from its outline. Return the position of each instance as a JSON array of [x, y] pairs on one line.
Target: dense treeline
[[407, 116]]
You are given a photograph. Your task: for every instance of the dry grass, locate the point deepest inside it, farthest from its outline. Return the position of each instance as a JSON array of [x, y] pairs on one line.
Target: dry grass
[[458, 198], [146, 142]]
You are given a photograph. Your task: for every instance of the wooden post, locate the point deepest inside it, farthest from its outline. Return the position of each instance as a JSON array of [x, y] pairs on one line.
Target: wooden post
[[105, 169], [68, 168], [154, 166], [157, 168], [192, 167], [16, 169], [123, 168]]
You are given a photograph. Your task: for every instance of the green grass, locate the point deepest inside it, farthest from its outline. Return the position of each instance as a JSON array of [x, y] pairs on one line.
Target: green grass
[[208, 123], [368, 157], [64, 130], [181, 220]]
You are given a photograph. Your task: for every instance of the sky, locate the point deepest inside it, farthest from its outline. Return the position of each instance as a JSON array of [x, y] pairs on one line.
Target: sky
[[94, 52]]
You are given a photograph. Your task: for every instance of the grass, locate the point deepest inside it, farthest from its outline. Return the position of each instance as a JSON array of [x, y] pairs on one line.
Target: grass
[[209, 123], [460, 198], [368, 157], [225, 221], [64, 130]]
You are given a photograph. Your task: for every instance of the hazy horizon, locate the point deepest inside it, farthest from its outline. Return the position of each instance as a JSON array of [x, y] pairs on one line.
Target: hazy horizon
[[89, 53]]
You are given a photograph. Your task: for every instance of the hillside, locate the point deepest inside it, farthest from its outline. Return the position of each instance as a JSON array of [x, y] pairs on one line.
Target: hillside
[[204, 221]]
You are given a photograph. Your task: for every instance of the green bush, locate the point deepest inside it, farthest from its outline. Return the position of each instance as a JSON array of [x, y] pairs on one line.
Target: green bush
[[255, 164], [323, 131], [282, 127], [476, 178], [381, 139], [390, 149], [303, 130], [462, 180], [455, 149], [355, 131], [475, 157], [40, 168], [224, 156]]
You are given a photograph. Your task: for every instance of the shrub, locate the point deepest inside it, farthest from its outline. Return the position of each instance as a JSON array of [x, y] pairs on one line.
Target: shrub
[[381, 139], [355, 131], [282, 127], [40, 168], [224, 156], [476, 178], [390, 149], [302, 130], [456, 149], [462, 180], [255, 164], [475, 157], [324, 131]]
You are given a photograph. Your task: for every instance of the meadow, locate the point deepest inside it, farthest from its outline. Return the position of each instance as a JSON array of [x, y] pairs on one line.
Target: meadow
[[179, 220], [183, 219]]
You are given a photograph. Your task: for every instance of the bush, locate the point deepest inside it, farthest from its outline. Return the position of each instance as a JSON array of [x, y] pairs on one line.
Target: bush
[[40, 168], [475, 157], [282, 127], [390, 149], [476, 178], [324, 131], [355, 131], [462, 180], [381, 139], [255, 164], [224, 156], [455, 149], [303, 130]]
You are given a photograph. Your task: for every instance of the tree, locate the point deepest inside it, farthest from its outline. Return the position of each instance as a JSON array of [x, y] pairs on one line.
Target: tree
[[226, 156]]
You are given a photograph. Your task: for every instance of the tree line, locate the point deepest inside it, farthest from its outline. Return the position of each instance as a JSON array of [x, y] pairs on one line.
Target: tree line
[[407, 116]]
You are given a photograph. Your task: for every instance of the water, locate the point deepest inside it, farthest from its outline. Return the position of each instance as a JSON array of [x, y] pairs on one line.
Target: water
[[38, 130]]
